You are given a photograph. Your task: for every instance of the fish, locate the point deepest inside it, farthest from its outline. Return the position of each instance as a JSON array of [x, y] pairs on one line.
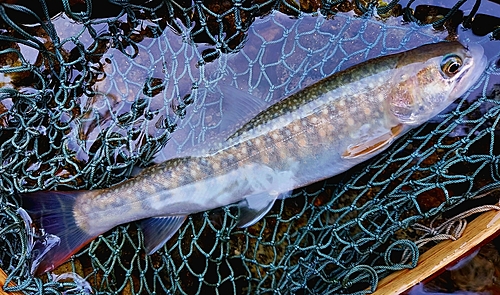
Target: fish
[[318, 132]]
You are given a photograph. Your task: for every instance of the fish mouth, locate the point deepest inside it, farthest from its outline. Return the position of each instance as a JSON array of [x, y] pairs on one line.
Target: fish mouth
[[477, 63]]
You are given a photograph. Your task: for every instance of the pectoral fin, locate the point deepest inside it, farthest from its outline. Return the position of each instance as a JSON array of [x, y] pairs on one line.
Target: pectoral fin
[[370, 145], [158, 230]]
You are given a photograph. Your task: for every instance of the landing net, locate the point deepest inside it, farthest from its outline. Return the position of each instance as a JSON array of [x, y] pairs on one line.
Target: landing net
[[91, 90]]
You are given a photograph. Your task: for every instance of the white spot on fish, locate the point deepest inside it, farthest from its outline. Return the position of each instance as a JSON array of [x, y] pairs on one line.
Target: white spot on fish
[[381, 97]]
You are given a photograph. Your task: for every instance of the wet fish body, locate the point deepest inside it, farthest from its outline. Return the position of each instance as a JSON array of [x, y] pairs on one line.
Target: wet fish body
[[318, 132]]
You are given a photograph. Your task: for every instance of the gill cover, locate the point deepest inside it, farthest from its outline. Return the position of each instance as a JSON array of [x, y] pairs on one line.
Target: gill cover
[[431, 77]]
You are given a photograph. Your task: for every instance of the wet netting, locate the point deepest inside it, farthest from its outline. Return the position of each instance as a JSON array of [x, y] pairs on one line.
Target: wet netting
[[93, 90]]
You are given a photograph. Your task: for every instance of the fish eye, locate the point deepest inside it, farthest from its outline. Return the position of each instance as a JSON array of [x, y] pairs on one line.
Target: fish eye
[[451, 64]]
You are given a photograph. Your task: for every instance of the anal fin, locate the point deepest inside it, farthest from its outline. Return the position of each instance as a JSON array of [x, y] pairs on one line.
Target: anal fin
[[158, 230]]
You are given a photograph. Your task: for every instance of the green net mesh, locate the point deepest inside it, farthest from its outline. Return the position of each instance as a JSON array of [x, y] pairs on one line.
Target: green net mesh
[[91, 90]]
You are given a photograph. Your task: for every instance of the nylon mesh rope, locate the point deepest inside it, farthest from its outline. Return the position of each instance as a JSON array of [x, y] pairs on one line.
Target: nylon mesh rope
[[91, 90]]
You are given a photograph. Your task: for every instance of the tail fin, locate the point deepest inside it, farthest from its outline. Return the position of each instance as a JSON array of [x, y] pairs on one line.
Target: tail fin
[[53, 212]]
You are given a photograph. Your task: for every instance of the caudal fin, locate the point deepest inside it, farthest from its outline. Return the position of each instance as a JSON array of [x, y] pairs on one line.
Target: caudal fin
[[53, 212]]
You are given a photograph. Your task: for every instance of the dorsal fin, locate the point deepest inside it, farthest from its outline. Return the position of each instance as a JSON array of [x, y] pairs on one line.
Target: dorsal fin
[[237, 107]]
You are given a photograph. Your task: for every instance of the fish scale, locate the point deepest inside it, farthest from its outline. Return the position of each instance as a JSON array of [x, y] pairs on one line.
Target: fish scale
[[318, 132]]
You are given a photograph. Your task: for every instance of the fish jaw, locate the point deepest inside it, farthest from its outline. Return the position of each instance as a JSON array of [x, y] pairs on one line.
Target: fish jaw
[[477, 64]]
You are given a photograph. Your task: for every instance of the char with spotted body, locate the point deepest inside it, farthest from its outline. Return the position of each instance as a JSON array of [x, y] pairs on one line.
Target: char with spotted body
[[313, 134]]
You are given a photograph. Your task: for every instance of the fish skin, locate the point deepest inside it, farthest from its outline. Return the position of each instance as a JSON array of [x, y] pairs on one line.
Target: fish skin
[[316, 133]]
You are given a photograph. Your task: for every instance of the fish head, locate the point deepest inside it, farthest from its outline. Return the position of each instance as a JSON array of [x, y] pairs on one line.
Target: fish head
[[431, 77]]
